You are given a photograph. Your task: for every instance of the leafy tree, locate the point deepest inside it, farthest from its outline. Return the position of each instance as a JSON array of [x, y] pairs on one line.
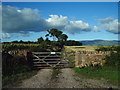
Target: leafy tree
[[63, 37], [54, 33], [57, 34], [15, 41], [47, 41], [40, 40], [21, 41]]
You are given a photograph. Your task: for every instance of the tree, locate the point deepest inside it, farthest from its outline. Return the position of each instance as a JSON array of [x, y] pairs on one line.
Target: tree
[[47, 41], [51, 33], [15, 41], [40, 40], [63, 37], [55, 33], [21, 41], [58, 34]]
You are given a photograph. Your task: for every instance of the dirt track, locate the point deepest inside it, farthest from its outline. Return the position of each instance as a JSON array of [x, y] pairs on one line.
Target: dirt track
[[38, 81], [65, 79]]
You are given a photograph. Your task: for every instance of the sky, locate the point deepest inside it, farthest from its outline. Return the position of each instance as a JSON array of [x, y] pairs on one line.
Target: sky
[[28, 21]]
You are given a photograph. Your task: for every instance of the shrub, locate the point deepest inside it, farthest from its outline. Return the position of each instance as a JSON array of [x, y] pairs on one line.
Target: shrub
[[13, 64], [105, 48], [113, 59]]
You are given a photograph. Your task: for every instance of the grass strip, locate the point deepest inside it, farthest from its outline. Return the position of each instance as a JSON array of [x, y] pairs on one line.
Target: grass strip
[[107, 72], [17, 78]]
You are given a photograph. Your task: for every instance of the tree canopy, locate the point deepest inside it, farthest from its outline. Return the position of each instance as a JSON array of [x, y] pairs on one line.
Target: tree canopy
[[56, 34], [40, 40]]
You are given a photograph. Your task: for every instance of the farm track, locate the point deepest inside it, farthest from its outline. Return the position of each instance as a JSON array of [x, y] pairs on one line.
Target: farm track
[[38, 81], [67, 78]]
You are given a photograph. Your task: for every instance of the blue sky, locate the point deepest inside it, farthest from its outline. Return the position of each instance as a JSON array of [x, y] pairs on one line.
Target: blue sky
[[79, 20]]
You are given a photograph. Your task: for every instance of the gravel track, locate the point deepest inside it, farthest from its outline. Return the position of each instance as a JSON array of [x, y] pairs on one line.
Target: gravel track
[[67, 78], [38, 81]]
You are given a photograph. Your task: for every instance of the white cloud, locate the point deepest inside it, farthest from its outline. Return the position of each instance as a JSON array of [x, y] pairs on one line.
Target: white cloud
[[6, 35], [57, 21], [16, 20], [19, 10], [78, 26], [110, 25], [63, 23], [96, 29]]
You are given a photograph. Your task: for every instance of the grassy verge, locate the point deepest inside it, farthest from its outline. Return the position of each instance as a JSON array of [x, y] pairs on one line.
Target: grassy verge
[[17, 78], [108, 73]]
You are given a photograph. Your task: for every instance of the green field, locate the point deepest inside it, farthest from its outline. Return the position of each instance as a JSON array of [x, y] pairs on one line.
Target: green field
[[108, 72]]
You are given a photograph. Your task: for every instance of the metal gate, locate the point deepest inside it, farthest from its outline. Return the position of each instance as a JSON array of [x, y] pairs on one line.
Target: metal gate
[[48, 60]]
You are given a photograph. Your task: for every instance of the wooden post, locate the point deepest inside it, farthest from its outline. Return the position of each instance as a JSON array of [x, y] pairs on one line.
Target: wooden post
[[77, 59]]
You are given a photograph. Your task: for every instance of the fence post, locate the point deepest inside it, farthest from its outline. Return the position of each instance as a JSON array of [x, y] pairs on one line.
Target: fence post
[[77, 59]]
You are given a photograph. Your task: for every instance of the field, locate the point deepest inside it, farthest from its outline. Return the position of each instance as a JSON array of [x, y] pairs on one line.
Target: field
[[108, 72], [78, 48]]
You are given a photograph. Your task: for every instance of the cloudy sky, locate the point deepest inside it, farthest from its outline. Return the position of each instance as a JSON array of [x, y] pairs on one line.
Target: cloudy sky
[[79, 20]]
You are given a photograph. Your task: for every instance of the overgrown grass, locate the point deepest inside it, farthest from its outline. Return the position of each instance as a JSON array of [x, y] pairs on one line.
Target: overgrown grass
[[14, 79], [15, 68], [107, 72]]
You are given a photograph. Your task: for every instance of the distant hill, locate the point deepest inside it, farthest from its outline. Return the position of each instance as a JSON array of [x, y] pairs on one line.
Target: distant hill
[[100, 42]]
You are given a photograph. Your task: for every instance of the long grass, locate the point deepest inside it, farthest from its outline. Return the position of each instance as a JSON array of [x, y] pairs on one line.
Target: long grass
[[107, 72], [14, 79]]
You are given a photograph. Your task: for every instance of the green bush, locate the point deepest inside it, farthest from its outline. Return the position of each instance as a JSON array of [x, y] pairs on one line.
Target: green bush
[[113, 59], [15, 68], [111, 48], [14, 64]]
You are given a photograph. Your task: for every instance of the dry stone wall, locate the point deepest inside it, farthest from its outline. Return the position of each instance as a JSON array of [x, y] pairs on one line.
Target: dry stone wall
[[86, 58], [19, 52]]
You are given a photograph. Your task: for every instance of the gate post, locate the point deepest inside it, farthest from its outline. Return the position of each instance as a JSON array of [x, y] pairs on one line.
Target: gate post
[[30, 59], [77, 54]]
